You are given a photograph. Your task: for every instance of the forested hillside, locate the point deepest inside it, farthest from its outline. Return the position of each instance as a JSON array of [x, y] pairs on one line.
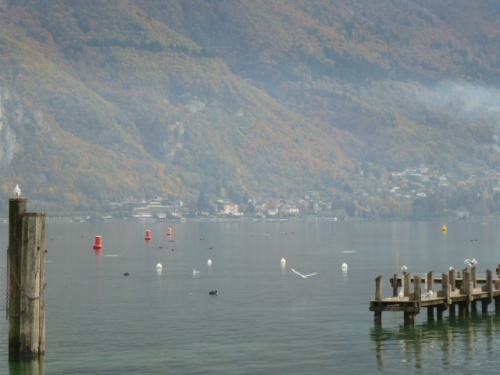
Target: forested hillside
[[105, 100]]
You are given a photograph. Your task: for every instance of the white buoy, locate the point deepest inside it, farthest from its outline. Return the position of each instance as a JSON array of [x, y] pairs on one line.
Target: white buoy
[[159, 266], [209, 262], [283, 261], [344, 266]]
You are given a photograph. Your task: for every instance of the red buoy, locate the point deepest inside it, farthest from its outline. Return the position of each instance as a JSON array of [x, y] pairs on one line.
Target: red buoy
[[169, 232], [148, 235], [98, 243]]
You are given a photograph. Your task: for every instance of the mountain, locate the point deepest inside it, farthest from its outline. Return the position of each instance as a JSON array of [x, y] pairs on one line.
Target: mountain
[[104, 100]]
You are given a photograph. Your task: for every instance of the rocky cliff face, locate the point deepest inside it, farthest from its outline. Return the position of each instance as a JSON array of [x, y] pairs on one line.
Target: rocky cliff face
[[9, 144]]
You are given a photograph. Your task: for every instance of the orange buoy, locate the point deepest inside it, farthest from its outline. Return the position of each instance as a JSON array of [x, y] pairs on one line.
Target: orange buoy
[[148, 236], [444, 229], [169, 232], [98, 243]]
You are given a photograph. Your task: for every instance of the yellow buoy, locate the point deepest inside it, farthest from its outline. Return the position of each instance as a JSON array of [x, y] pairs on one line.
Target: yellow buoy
[[444, 229]]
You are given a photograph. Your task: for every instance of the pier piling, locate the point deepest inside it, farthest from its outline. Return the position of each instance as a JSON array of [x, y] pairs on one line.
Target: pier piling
[[26, 282]]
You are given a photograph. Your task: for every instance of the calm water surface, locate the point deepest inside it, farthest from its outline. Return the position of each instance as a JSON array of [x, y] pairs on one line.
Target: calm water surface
[[265, 319]]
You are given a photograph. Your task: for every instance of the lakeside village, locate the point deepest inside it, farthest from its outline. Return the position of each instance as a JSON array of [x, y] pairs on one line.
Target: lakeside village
[[412, 194]]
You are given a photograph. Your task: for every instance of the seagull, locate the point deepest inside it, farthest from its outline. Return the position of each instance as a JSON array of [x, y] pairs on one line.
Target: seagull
[[401, 294], [196, 272], [452, 268], [473, 262], [468, 262], [404, 268], [304, 276], [17, 191], [429, 294], [213, 292]]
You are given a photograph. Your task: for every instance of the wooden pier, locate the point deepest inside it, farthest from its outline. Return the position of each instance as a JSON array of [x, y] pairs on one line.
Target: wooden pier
[[463, 292]]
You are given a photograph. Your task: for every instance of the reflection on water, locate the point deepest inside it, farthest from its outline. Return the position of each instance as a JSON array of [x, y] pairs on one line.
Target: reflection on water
[[465, 342], [28, 368]]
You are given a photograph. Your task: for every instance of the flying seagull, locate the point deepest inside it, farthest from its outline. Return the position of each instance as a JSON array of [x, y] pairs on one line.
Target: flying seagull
[[17, 191], [304, 276]]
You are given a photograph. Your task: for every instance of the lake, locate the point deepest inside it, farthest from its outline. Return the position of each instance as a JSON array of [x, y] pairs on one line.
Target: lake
[[265, 319]]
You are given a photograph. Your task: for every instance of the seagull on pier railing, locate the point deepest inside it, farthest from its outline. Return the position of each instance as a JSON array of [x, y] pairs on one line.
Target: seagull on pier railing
[[401, 294], [17, 191], [404, 268], [429, 294], [304, 276]]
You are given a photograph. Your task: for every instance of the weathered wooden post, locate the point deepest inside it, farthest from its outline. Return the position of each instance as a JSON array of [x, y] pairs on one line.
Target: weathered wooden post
[[489, 289], [452, 275], [406, 283], [429, 281], [414, 309], [445, 292], [473, 276], [26, 282], [395, 285], [497, 299], [429, 285], [379, 292], [463, 307]]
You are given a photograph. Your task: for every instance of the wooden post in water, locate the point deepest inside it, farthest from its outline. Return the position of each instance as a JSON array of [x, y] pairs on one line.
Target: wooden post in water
[[473, 276], [410, 314], [429, 281], [489, 289], [463, 307], [379, 289], [406, 283], [445, 292], [26, 270], [395, 285], [497, 299], [429, 285], [452, 274]]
